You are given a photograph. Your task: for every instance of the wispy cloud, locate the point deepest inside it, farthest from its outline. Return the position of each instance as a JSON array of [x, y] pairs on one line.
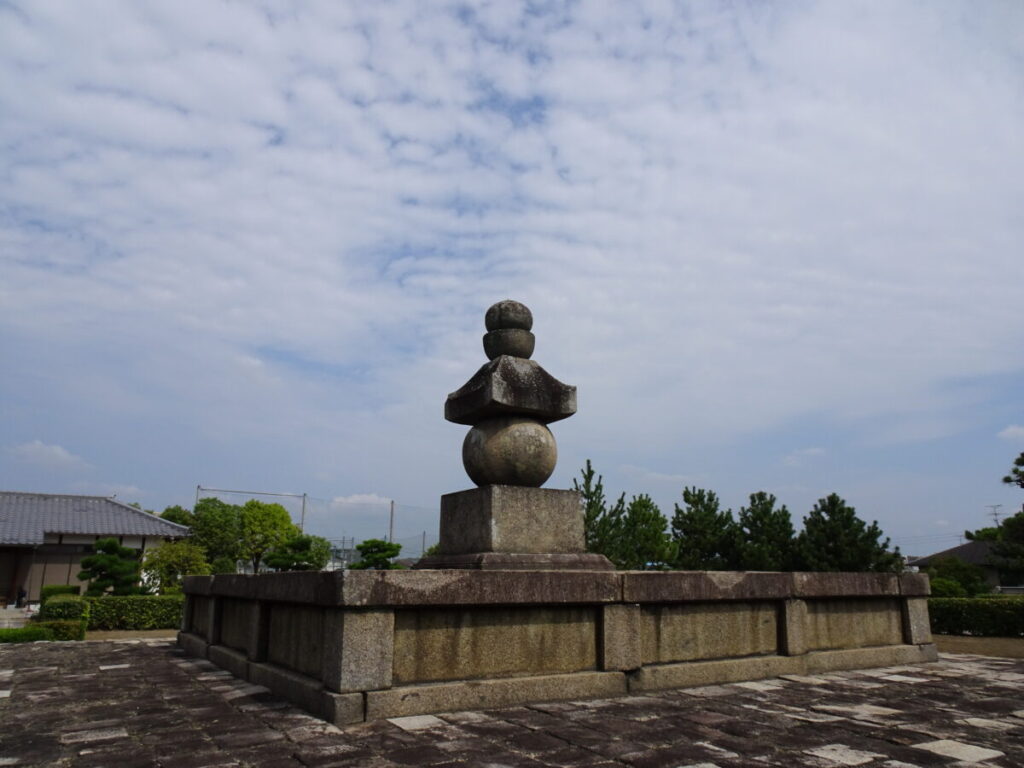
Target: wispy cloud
[[1013, 433], [49, 457], [799, 457]]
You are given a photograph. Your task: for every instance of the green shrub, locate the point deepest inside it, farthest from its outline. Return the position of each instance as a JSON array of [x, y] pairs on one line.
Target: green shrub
[[64, 629], [57, 589], [943, 587], [64, 607], [135, 611], [27, 634], [979, 617]]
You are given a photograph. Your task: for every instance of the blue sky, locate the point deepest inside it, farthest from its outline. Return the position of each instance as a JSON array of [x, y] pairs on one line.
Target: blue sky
[[776, 246]]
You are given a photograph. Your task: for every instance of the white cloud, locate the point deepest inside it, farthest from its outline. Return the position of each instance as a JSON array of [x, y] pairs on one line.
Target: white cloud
[[1014, 433], [360, 498], [799, 457], [49, 457]]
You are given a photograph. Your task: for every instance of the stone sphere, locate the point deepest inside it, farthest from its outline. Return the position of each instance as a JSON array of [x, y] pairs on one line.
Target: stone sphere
[[509, 450], [509, 341], [508, 314]]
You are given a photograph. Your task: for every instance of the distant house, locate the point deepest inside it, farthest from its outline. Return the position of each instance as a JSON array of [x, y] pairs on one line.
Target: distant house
[[976, 553], [43, 537]]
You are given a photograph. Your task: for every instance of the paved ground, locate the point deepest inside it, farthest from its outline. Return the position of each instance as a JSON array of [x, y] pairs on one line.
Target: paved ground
[[140, 703]]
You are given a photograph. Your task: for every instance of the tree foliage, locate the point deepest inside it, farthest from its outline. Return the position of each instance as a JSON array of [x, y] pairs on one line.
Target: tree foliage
[[764, 535], [217, 528], [1016, 476], [642, 543], [968, 577], [835, 539], [113, 569], [704, 535], [376, 554], [167, 564], [601, 525], [263, 527], [178, 514], [300, 553]]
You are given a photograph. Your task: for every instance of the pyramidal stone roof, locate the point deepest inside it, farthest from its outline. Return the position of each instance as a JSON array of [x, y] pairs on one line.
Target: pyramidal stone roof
[[26, 517]]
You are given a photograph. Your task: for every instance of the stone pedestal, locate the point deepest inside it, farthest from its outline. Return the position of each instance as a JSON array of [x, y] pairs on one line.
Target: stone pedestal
[[511, 527]]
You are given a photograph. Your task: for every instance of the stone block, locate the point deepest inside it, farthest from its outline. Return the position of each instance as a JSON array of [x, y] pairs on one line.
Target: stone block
[[695, 673], [299, 689], [866, 658], [193, 644], [237, 585], [358, 649], [296, 638], [620, 646], [233, 661], [915, 585], [510, 518], [459, 587], [468, 643], [310, 587], [853, 623], [197, 585], [511, 561], [707, 631], [917, 628], [489, 694], [236, 621], [793, 628], [343, 708], [201, 615], [680, 586], [845, 584]]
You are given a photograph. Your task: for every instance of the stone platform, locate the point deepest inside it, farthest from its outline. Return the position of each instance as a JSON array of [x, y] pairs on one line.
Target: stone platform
[[147, 705], [366, 645]]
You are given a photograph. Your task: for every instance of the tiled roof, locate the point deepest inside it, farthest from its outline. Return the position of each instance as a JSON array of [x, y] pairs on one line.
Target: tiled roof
[[975, 552], [26, 517]]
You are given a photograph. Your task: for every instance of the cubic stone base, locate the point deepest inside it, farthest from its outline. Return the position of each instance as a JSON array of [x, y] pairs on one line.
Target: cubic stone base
[[361, 645]]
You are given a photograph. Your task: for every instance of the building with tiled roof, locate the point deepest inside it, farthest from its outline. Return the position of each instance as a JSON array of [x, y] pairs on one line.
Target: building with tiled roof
[[44, 536]]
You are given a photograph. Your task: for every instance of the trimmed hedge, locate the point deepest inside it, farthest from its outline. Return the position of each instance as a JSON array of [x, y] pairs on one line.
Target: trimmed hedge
[[64, 607], [64, 630], [980, 617], [52, 590], [135, 611], [27, 634]]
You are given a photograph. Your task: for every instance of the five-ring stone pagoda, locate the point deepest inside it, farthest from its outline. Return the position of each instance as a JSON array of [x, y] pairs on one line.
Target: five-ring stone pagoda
[[508, 522]]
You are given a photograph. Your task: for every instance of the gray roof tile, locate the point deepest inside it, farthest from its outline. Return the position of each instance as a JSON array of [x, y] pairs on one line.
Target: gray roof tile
[[26, 517]]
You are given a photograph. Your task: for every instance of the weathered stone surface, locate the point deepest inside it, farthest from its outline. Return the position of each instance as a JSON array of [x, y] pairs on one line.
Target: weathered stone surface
[[696, 673], [512, 519], [509, 450], [916, 626], [793, 637], [461, 644], [343, 708], [853, 623], [516, 342], [620, 647], [296, 638], [358, 648], [866, 658], [508, 313], [236, 623], [193, 644], [846, 584], [296, 688], [487, 694], [708, 631], [201, 616], [509, 386], [519, 561], [672, 586], [915, 585], [233, 661]]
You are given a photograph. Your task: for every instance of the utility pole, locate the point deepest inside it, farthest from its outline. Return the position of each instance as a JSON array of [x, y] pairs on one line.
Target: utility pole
[[302, 524], [391, 524], [994, 514], [197, 493], [423, 546]]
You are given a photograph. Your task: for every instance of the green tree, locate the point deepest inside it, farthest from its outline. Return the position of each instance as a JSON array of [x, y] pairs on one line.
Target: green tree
[[1016, 476], [969, 577], [376, 554], [643, 543], [179, 515], [943, 587], [169, 563], [1008, 550], [703, 534], [991, 533], [113, 568], [300, 553], [835, 539], [602, 526], [263, 527], [764, 535], [217, 528]]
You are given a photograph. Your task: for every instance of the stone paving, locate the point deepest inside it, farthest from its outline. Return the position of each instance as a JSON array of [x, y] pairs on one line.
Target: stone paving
[[142, 703]]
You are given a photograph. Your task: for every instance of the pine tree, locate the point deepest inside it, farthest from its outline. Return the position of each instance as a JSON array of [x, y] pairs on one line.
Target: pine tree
[[765, 535], [835, 539], [602, 526], [643, 544], [113, 567], [1016, 476], [703, 535]]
